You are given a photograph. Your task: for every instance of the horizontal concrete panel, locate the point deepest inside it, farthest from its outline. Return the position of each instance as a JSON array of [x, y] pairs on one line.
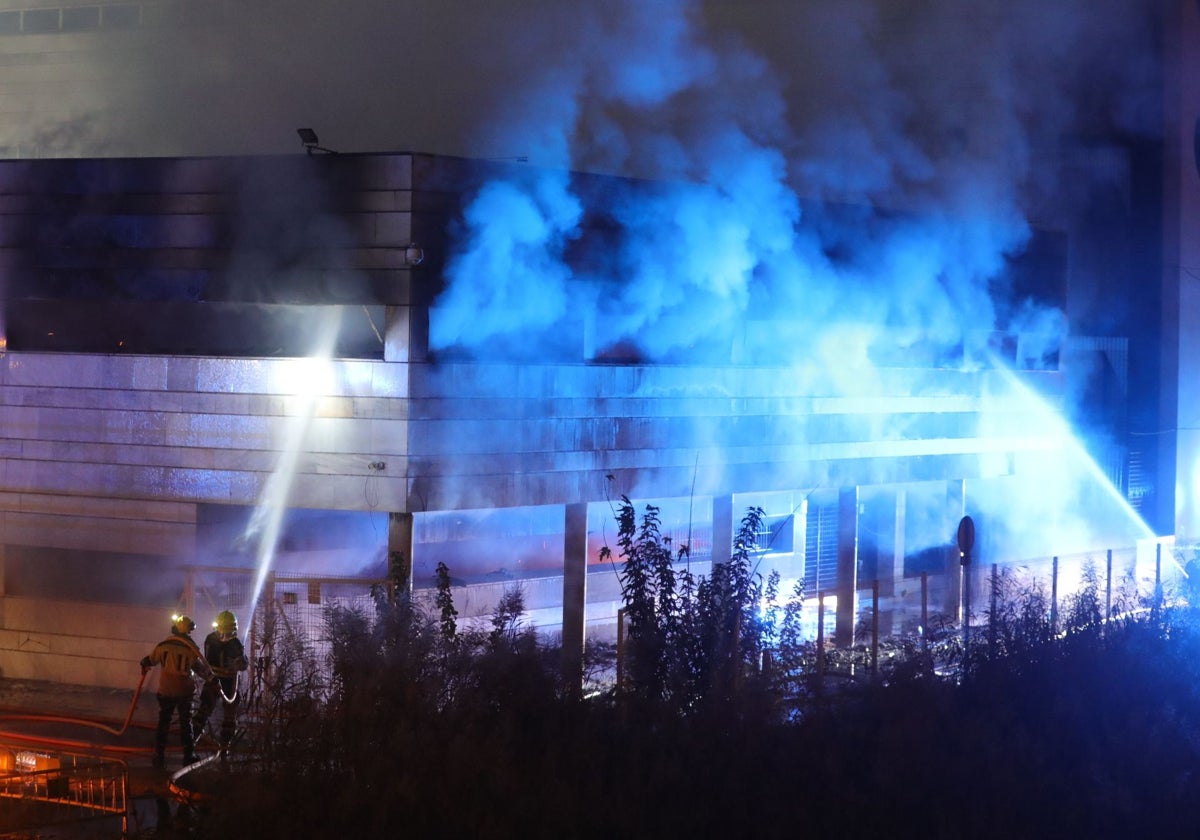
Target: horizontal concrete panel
[[376, 201], [76, 643], [709, 457], [680, 477], [117, 231], [93, 533], [99, 506], [466, 437], [213, 204], [31, 664], [134, 481], [235, 477], [379, 230], [564, 406], [145, 396], [697, 382], [131, 623], [384, 490], [142, 204]]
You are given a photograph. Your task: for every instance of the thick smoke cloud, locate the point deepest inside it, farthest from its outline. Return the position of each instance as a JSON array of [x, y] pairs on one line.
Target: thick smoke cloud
[[941, 126], [850, 180], [833, 176]]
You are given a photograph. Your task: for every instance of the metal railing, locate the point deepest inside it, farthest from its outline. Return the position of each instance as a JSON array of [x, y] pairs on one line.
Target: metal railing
[[69, 787]]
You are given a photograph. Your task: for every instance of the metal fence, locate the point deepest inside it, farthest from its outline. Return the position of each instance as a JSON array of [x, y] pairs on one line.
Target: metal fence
[[1118, 582], [62, 787], [290, 611]]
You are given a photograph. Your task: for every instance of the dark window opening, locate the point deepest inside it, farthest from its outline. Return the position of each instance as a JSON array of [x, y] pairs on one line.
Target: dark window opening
[[41, 20], [81, 18], [122, 17]]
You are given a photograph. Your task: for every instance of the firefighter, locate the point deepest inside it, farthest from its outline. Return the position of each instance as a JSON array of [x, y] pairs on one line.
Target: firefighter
[[181, 662], [224, 652]]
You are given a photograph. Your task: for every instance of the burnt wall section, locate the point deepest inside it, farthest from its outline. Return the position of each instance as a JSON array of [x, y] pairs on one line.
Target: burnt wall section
[[504, 435], [200, 256], [161, 316]]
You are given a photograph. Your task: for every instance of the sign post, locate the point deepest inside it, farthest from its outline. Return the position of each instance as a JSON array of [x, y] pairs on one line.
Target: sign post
[[966, 541]]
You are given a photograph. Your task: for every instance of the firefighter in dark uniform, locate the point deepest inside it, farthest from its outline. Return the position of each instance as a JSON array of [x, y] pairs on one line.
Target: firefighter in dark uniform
[[181, 663], [225, 654]]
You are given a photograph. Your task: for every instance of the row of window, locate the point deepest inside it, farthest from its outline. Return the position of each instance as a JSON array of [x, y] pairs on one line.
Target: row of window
[[109, 16], [73, 19]]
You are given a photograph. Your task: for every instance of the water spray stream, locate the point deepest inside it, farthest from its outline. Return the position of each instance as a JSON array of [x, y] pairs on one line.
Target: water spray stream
[[309, 379], [1080, 466]]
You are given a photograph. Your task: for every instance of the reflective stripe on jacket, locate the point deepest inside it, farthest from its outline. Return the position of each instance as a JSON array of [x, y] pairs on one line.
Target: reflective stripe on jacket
[[179, 657]]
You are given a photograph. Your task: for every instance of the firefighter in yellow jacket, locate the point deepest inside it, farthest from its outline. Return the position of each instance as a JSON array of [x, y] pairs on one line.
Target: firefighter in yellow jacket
[[181, 663]]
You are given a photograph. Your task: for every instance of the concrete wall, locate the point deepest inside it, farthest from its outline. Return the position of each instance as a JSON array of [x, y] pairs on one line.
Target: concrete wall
[[502, 435], [85, 644], [108, 448]]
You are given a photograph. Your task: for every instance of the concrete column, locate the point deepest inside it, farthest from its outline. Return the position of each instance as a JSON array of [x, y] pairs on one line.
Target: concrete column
[[889, 562], [800, 542], [400, 551], [1179, 405], [574, 608], [722, 528], [406, 334], [847, 567], [956, 508]]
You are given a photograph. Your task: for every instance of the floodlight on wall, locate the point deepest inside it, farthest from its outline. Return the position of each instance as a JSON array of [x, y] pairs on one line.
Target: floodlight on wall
[[308, 138], [414, 254]]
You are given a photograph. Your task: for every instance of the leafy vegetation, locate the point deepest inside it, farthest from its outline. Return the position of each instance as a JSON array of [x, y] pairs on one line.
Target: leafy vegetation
[[726, 721]]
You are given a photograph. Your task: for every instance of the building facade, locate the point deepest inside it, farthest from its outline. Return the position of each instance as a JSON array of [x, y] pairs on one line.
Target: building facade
[[195, 345]]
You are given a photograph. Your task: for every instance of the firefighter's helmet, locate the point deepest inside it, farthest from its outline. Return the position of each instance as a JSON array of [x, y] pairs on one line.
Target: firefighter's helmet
[[226, 623], [181, 624]]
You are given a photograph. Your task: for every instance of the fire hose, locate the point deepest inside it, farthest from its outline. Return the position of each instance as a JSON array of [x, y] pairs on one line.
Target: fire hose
[[84, 721], [67, 743]]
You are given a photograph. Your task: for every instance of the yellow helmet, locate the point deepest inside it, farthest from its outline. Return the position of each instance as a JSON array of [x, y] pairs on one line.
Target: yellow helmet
[[226, 623], [181, 624]]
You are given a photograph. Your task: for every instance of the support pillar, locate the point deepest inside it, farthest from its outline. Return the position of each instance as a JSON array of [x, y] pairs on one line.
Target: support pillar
[[574, 608], [405, 334], [847, 567], [400, 552], [889, 563], [722, 529]]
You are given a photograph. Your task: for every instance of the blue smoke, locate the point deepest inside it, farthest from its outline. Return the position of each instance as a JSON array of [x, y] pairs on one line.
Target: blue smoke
[[853, 188], [928, 116]]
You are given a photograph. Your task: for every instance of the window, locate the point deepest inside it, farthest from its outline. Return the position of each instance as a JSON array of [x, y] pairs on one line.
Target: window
[[820, 548], [41, 20], [81, 18], [10, 23], [775, 534], [125, 16]]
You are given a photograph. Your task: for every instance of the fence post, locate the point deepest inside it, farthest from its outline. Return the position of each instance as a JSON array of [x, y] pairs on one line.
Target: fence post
[[875, 627], [820, 637], [1108, 588], [924, 611], [1054, 597], [1158, 593], [992, 612], [620, 648]]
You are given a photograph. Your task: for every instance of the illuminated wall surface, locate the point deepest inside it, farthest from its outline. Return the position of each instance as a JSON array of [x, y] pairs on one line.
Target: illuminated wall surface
[[193, 342], [916, 302]]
